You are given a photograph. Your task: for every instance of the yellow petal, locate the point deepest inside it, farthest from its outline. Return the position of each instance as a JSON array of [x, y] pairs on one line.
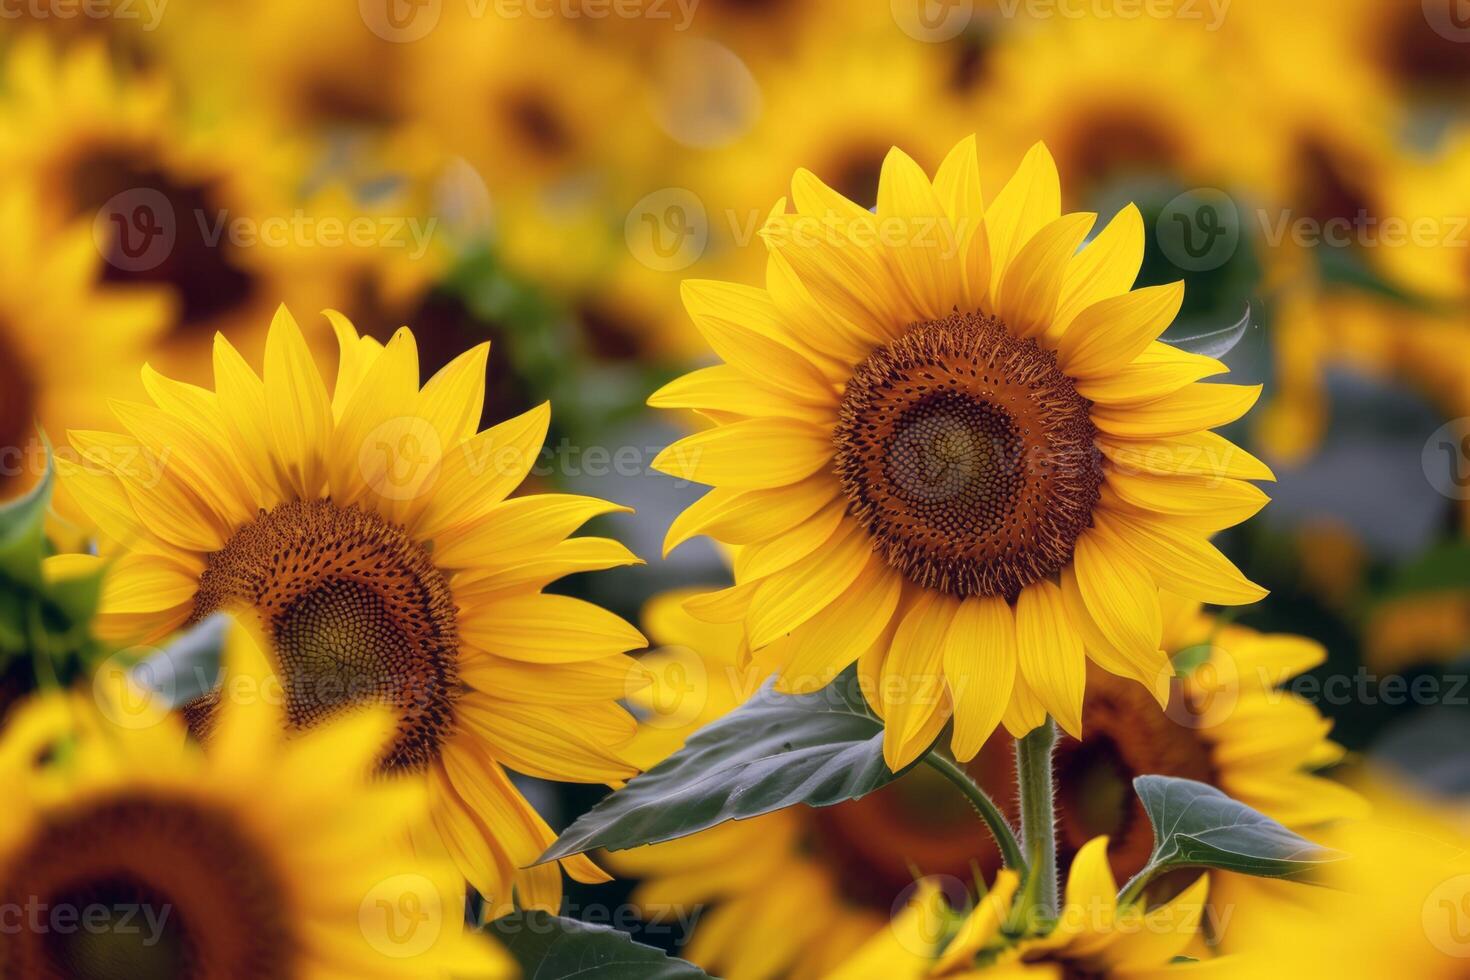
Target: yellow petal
[[298, 410], [750, 455], [912, 676], [1028, 293], [980, 668], [794, 595], [1030, 200], [1182, 561], [1199, 501], [548, 629], [1200, 406], [926, 259], [824, 646], [1110, 333], [1051, 655], [1107, 267], [747, 516], [481, 472], [1193, 454]]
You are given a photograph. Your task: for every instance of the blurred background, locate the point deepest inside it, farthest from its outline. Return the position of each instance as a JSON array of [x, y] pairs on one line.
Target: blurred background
[[544, 173]]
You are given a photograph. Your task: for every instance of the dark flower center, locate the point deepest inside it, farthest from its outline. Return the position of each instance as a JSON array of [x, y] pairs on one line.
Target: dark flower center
[[969, 456], [357, 614]]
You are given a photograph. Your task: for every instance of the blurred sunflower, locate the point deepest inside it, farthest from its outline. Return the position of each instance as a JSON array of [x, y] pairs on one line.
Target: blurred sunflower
[[498, 92], [921, 406], [836, 109], [1114, 98], [1400, 907], [370, 532], [63, 336], [1418, 49], [251, 859], [164, 200], [794, 892], [1094, 936]]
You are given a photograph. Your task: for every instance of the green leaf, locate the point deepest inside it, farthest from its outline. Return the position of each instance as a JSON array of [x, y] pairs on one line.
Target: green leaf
[[1197, 826], [22, 531], [773, 752], [549, 947]]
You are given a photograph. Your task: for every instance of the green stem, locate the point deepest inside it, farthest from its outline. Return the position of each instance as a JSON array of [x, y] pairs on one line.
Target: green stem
[[1038, 814], [995, 821]]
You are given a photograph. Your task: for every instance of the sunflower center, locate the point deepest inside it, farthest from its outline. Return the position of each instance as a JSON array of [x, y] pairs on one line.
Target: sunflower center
[[1126, 735], [138, 886], [204, 269], [357, 613], [874, 845], [538, 123], [969, 456], [1116, 143]]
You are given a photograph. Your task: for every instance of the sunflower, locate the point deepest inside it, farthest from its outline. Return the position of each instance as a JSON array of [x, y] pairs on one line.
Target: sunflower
[[256, 858], [498, 92], [63, 335], [1115, 98], [848, 864], [915, 432], [1399, 907], [369, 531], [1417, 49], [167, 201], [1093, 937]]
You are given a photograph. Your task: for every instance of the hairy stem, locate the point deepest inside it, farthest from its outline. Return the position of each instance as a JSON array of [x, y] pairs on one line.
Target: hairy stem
[[1038, 813], [995, 821]]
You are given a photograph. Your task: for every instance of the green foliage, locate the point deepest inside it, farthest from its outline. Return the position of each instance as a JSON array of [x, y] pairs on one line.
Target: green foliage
[[549, 947]]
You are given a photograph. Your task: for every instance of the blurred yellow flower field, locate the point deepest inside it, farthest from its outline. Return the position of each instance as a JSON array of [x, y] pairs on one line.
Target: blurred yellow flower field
[[713, 488]]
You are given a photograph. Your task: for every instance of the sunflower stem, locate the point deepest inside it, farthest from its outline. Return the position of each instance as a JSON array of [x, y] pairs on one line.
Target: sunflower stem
[[1038, 811], [995, 821]]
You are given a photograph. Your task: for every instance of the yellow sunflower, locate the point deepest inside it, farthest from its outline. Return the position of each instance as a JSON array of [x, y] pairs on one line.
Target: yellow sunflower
[[1094, 936], [1227, 723], [916, 423], [132, 853], [170, 204], [1114, 98], [1399, 907], [63, 337], [369, 530]]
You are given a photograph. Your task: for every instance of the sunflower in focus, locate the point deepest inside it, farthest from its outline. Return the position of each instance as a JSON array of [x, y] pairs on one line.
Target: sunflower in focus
[[369, 530], [169, 205], [252, 859], [923, 406], [62, 336], [1094, 936]]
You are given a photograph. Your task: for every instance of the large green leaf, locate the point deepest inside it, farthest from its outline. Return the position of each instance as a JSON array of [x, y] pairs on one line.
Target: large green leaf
[[773, 752], [549, 947], [1197, 826]]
